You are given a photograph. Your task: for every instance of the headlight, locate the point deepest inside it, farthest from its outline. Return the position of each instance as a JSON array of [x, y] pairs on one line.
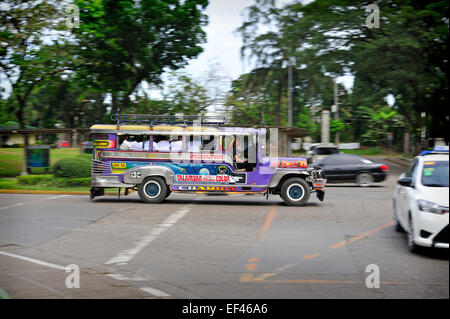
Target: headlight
[[431, 207]]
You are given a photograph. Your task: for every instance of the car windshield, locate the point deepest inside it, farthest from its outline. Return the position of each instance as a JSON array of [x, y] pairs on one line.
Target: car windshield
[[435, 174], [326, 150]]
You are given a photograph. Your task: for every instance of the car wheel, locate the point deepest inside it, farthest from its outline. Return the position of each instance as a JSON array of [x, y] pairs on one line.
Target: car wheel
[[295, 191], [153, 190], [412, 246], [364, 179]]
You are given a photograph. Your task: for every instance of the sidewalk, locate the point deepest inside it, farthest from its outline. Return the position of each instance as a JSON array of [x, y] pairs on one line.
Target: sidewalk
[[398, 160], [24, 280]]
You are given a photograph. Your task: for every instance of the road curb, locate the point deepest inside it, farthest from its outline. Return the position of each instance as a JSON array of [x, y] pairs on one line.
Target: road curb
[[398, 160], [43, 192], [30, 191]]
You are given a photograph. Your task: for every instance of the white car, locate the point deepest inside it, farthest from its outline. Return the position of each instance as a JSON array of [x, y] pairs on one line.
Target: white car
[[421, 201]]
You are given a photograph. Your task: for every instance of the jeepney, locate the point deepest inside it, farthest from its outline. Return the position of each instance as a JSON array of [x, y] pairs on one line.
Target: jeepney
[[210, 158]]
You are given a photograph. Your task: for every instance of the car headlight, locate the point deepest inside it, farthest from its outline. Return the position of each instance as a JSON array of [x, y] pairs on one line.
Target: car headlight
[[431, 207]]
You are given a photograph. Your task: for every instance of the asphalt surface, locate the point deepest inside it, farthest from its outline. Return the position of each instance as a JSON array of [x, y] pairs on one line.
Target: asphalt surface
[[199, 246]]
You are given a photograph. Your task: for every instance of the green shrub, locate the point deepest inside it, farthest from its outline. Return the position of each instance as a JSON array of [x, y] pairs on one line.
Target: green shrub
[[7, 171], [34, 179], [74, 167], [51, 181], [72, 182]]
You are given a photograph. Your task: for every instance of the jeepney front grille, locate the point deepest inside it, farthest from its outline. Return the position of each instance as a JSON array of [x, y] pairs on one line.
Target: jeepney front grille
[[98, 167]]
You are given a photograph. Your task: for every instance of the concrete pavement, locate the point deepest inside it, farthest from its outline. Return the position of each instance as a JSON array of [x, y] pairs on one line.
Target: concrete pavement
[[194, 246]]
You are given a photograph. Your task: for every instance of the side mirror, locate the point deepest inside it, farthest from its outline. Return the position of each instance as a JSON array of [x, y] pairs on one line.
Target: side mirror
[[405, 181]]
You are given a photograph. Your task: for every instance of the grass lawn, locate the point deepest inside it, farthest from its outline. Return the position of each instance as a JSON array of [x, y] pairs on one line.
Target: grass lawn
[[11, 183], [364, 151], [371, 151], [11, 159]]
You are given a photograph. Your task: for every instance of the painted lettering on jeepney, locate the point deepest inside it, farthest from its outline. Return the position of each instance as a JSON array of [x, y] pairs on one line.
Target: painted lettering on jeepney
[[206, 157], [119, 165], [206, 188], [104, 144], [289, 164], [203, 178]]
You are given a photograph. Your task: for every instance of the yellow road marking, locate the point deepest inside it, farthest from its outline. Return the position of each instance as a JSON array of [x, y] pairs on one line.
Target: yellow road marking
[[251, 267], [318, 281], [266, 225], [267, 222], [248, 277], [361, 236], [312, 256]]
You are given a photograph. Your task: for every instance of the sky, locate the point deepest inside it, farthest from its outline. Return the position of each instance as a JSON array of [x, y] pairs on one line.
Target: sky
[[223, 43]]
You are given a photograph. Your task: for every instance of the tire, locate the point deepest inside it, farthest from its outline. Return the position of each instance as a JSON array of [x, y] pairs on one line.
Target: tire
[[364, 179], [295, 191], [168, 192], [153, 189], [412, 246]]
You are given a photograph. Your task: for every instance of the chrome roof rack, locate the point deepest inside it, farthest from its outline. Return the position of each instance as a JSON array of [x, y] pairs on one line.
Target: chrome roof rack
[[168, 119]]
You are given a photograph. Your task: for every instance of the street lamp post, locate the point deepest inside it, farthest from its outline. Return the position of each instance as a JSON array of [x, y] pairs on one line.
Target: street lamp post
[[336, 109]]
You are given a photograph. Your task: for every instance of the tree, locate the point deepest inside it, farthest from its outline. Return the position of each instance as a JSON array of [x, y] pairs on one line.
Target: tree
[[405, 57], [126, 42], [25, 60]]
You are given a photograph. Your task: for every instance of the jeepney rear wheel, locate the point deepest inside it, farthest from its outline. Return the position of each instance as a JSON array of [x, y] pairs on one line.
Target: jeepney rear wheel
[[295, 191], [153, 189]]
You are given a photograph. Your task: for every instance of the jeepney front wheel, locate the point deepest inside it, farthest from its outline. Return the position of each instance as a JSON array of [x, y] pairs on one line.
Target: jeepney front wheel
[[295, 191], [153, 189]]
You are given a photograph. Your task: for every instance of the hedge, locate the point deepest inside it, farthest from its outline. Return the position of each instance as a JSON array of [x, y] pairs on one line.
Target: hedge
[[34, 179], [74, 167], [50, 181]]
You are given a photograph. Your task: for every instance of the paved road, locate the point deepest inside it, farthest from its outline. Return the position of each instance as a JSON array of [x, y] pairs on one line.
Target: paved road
[[214, 247]]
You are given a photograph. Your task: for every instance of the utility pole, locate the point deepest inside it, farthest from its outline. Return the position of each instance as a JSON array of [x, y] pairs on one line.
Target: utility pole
[[336, 110], [289, 92], [289, 65]]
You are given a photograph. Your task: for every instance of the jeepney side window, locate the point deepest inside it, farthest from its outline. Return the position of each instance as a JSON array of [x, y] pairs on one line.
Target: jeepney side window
[[211, 143], [262, 145]]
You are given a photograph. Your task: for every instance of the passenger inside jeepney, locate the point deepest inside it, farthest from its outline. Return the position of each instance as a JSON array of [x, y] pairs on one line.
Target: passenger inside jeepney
[[244, 154], [177, 146], [125, 144], [163, 144], [136, 145], [195, 145], [147, 144]]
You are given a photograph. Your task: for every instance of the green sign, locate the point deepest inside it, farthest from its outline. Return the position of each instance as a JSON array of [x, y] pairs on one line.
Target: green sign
[[39, 156]]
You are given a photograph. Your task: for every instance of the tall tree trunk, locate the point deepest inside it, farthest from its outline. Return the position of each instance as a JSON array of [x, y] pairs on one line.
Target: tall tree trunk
[[278, 105], [21, 118]]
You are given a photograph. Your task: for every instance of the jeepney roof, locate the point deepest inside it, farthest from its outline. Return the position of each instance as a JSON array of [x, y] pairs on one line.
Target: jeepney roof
[[169, 130]]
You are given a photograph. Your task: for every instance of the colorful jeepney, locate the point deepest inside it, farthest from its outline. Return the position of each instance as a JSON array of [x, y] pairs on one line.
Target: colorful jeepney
[[212, 167]]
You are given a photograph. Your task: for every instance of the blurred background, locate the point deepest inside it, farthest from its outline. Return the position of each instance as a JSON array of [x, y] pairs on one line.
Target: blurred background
[[369, 74]]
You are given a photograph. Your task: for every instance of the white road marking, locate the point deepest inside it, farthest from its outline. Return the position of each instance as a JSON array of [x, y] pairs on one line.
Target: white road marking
[[155, 292], [11, 206], [126, 256], [122, 277], [34, 261], [58, 196]]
